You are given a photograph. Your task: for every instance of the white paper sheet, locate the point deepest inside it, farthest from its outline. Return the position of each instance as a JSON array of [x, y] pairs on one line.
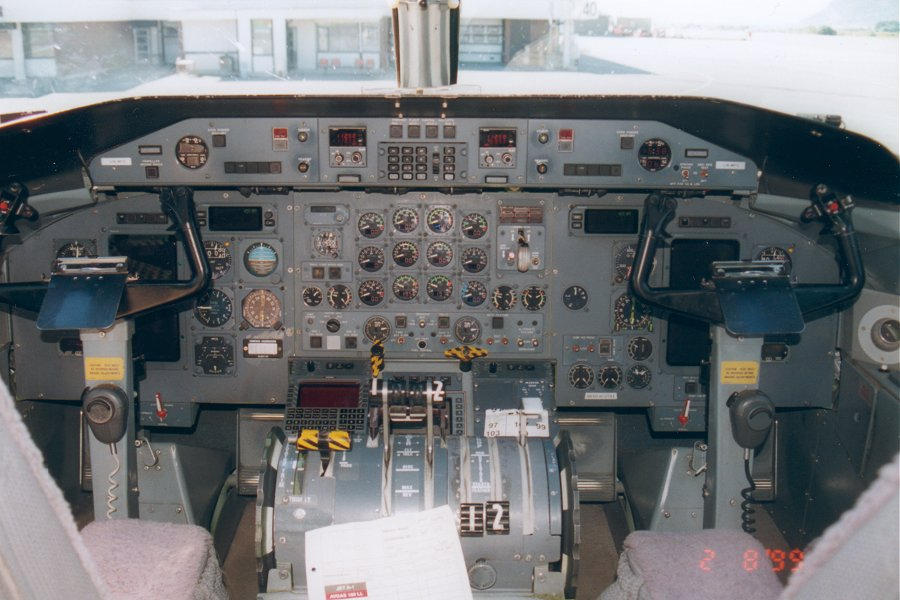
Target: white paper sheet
[[405, 557]]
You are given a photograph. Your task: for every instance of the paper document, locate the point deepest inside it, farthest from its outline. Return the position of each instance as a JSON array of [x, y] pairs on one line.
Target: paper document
[[406, 557], [532, 420]]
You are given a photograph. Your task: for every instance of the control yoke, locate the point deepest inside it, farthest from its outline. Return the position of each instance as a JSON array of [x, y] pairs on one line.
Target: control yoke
[[143, 296], [813, 300]]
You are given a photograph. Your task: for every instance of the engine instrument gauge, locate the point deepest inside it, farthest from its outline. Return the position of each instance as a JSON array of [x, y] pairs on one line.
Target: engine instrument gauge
[[214, 355], [191, 152], [312, 296], [534, 298], [631, 314], [405, 254], [406, 287], [474, 260], [339, 296], [610, 377], [473, 293], [575, 297], [371, 292], [774, 253], [439, 220], [467, 330], [581, 376], [377, 329], [219, 257], [371, 259], [213, 308], [439, 287], [405, 220], [474, 226], [370, 225], [654, 154], [261, 309], [327, 243], [260, 259], [640, 348], [503, 297], [76, 249], [623, 262], [638, 377], [439, 254]]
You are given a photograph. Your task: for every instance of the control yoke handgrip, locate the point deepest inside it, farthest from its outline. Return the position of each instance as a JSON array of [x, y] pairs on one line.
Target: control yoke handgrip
[[814, 299], [702, 304], [143, 296]]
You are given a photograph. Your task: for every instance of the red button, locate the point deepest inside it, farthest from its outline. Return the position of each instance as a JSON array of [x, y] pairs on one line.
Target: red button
[[567, 134], [279, 133]]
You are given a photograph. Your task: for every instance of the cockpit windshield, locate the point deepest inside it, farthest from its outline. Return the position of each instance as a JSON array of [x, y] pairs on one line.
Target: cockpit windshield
[[835, 60]]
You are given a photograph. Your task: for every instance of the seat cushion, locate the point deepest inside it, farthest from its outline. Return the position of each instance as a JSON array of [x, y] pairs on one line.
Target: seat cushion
[[704, 565], [144, 560]]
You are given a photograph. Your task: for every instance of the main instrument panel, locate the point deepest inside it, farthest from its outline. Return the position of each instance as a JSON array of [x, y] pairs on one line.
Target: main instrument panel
[[326, 236]]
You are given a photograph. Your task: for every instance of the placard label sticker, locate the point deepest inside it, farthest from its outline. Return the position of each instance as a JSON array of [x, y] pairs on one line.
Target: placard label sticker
[[740, 372], [346, 591], [115, 161], [98, 368], [731, 165]]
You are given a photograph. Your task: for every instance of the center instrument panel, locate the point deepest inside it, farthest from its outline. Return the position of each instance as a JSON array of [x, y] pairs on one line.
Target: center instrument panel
[[325, 235]]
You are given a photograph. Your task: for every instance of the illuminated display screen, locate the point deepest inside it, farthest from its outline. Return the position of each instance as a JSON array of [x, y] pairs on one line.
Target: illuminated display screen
[[331, 394], [598, 220], [497, 138], [751, 560], [347, 136]]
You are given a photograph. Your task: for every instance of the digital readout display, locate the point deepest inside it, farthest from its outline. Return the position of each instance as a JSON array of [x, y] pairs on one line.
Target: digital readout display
[[328, 395], [497, 138], [599, 220], [354, 137], [235, 218]]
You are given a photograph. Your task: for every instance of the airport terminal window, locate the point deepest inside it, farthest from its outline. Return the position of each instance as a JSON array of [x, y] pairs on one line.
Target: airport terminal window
[[5, 42], [39, 40], [262, 37], [348, 37]]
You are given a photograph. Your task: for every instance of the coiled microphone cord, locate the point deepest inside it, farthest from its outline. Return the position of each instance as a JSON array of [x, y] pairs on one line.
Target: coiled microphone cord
[[748, 521]]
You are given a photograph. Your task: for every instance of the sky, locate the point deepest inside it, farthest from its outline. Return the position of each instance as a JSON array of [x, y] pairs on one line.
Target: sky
[[771, 12]]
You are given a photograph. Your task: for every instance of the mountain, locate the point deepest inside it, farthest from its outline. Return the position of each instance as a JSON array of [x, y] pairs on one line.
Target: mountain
[[855, 13]]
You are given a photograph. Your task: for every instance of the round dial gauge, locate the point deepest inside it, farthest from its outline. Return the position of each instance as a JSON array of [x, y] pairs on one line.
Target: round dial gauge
[[474, 226], [191, 152], [655, 154], [503, 297], [631, 314], [575, 297], [371, 292], [377, 329], [467, 330], [439, 254], [405, 220], [219, 257], [581, 376], [775, 253], [474, 260], [214, 355], [473, 293], [213, 308], [262, 309], [327, 243], [261, 259], [405, 254], [638, 376], [439, 287], [371, 259], [439, 220], [371, 225], [312, 296], [76, 250], [406, 287], [339, 296], [610, 377], [640, 348], [533, 298]]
